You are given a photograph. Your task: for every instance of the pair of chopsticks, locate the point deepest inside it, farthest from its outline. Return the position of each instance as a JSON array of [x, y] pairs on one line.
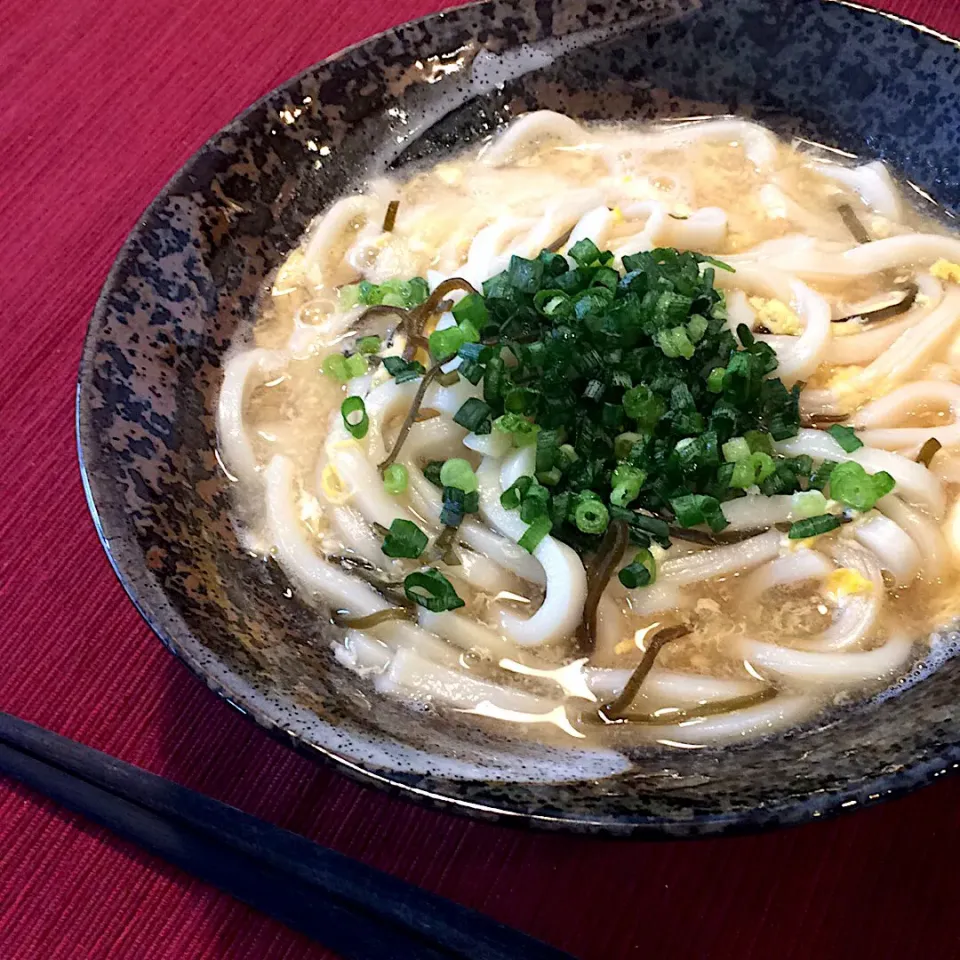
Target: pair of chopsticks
[[358, 911]]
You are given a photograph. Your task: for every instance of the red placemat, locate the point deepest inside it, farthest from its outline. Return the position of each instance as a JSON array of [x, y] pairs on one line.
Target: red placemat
[[101, 103]]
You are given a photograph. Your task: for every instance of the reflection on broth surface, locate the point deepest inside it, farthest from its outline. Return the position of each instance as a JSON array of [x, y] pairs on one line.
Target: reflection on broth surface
[[648, 469]]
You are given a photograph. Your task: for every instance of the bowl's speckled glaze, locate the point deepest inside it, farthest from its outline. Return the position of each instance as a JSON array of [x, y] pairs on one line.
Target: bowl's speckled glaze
[[190, 274]]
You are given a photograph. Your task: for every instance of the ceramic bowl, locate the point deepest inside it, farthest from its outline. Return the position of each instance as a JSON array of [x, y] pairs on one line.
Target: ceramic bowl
[[190, 274]]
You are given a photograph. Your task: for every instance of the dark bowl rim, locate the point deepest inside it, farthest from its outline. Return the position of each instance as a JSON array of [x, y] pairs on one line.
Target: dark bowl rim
[[787, 812]]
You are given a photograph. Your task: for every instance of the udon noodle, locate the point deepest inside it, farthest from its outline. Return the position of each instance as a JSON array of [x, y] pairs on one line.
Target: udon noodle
[[624, 617]]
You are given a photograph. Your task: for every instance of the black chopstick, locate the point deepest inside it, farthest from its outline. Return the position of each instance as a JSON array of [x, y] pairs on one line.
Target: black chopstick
[[356, 910]]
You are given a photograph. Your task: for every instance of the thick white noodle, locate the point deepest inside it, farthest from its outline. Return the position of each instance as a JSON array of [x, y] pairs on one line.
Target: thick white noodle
[[668, 688], [934, 551], [863, 348], [330, 239], [761, 720], [856, 613], [757, 512], [781, 206], [876, 421], [893, 547], [828, 669], [566, 581], [800, 356], [720, 561], [789, 569], [414, 676], [298, 558], [361, 653], [234, 441], [871, 182], [759, 144], [862, 260], [531, 129], [915, 483]]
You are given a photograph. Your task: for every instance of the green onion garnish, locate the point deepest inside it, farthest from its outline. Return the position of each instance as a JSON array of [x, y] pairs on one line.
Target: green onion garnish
[[355, 419], [431, 471], [591, 516], [395, 479], [458, 473], [335, 365], [641, 572], [474, 414], [403, 370], [813, 526], [431, 589], [845, 437], [535, 533], [368, 345], [356, 365], [456, 504], [641, 403], [445, 343], [852, 485], [404, 539]]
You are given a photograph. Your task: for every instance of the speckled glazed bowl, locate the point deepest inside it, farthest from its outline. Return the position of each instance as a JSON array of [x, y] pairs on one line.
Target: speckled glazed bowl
[[190, 273]]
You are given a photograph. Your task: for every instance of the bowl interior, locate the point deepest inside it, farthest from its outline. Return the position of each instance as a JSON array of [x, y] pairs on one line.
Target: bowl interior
[[191, 273]]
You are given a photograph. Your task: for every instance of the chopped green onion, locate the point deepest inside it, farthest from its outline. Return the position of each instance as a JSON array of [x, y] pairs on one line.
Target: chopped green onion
[[852, 485], [471, 309], [335, 365], [356, 365], [813, 526], [627, 481], [474, 414], [445, 343], [535, 533], [432, 470], [369, 344], [591, 516], [535, 502], [403, 370], [693, 509], [675, 343], [697, 326], [404, 539], [752, 471], [642, 405], [821, 476], [808, 503], [585, 252], [355, 419], [759, 442], [395, 479], [456, 504], [458, 473], [525, 275], [845, 436], [511, 497], [624, 444], [551, 477], [641, 572], [735, 450], [431, 589], [523, 432], [715, 379]]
